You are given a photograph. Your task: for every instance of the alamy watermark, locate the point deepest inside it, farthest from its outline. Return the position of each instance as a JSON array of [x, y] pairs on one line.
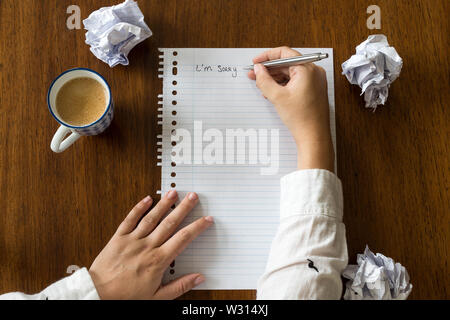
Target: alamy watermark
[[374, 20], [72, 268], [228, 147], [74, 20]]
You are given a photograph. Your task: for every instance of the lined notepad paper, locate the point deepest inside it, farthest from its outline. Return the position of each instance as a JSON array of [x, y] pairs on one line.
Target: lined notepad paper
[[207, 93]]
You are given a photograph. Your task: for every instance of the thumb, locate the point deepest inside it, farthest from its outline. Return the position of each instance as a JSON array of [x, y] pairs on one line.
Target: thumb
[[264, 81], [179, 286]]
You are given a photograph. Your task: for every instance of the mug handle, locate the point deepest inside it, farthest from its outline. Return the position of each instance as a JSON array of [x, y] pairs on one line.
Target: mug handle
[[58, 145]]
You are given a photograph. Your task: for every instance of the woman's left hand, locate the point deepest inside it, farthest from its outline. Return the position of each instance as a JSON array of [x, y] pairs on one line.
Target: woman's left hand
[[132, 264]]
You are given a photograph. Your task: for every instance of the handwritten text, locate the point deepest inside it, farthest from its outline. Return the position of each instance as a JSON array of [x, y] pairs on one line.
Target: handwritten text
[[216, 68]]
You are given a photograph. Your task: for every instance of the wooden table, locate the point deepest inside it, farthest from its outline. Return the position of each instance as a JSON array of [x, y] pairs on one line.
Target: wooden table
[[61, 209]]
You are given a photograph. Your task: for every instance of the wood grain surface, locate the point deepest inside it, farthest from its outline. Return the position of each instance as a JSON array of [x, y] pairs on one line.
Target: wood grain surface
[[59, 210]]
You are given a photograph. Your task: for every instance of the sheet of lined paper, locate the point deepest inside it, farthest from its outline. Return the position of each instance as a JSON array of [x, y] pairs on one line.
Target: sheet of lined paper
[[210, 90]]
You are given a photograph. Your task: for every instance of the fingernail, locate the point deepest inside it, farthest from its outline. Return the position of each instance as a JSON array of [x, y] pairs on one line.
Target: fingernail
[[257, 68], [199, 280], [172, 194], [147, 199], [209, 219], [192, 196]]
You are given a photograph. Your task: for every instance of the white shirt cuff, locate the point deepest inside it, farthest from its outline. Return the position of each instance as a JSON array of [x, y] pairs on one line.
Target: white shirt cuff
[[311, 192], [78, 286]]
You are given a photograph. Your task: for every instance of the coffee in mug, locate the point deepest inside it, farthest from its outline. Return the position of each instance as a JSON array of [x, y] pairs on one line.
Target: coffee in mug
[[80, 100]]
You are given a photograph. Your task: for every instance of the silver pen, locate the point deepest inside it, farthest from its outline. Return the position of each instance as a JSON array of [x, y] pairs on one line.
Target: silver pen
[[293, 61]]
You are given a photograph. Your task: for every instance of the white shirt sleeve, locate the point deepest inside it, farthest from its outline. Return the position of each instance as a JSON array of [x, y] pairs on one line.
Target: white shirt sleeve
[[309, 251], [78, 286]]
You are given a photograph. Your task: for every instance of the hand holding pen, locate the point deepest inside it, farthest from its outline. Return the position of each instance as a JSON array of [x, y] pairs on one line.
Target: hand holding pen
[[299, 93]]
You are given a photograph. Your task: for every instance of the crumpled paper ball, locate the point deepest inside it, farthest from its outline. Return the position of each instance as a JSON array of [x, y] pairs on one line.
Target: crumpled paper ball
[[376, 277], [374, 67], [113, 31]]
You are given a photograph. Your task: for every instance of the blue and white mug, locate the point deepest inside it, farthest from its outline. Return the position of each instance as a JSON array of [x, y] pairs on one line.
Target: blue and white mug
[[59, 144]]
